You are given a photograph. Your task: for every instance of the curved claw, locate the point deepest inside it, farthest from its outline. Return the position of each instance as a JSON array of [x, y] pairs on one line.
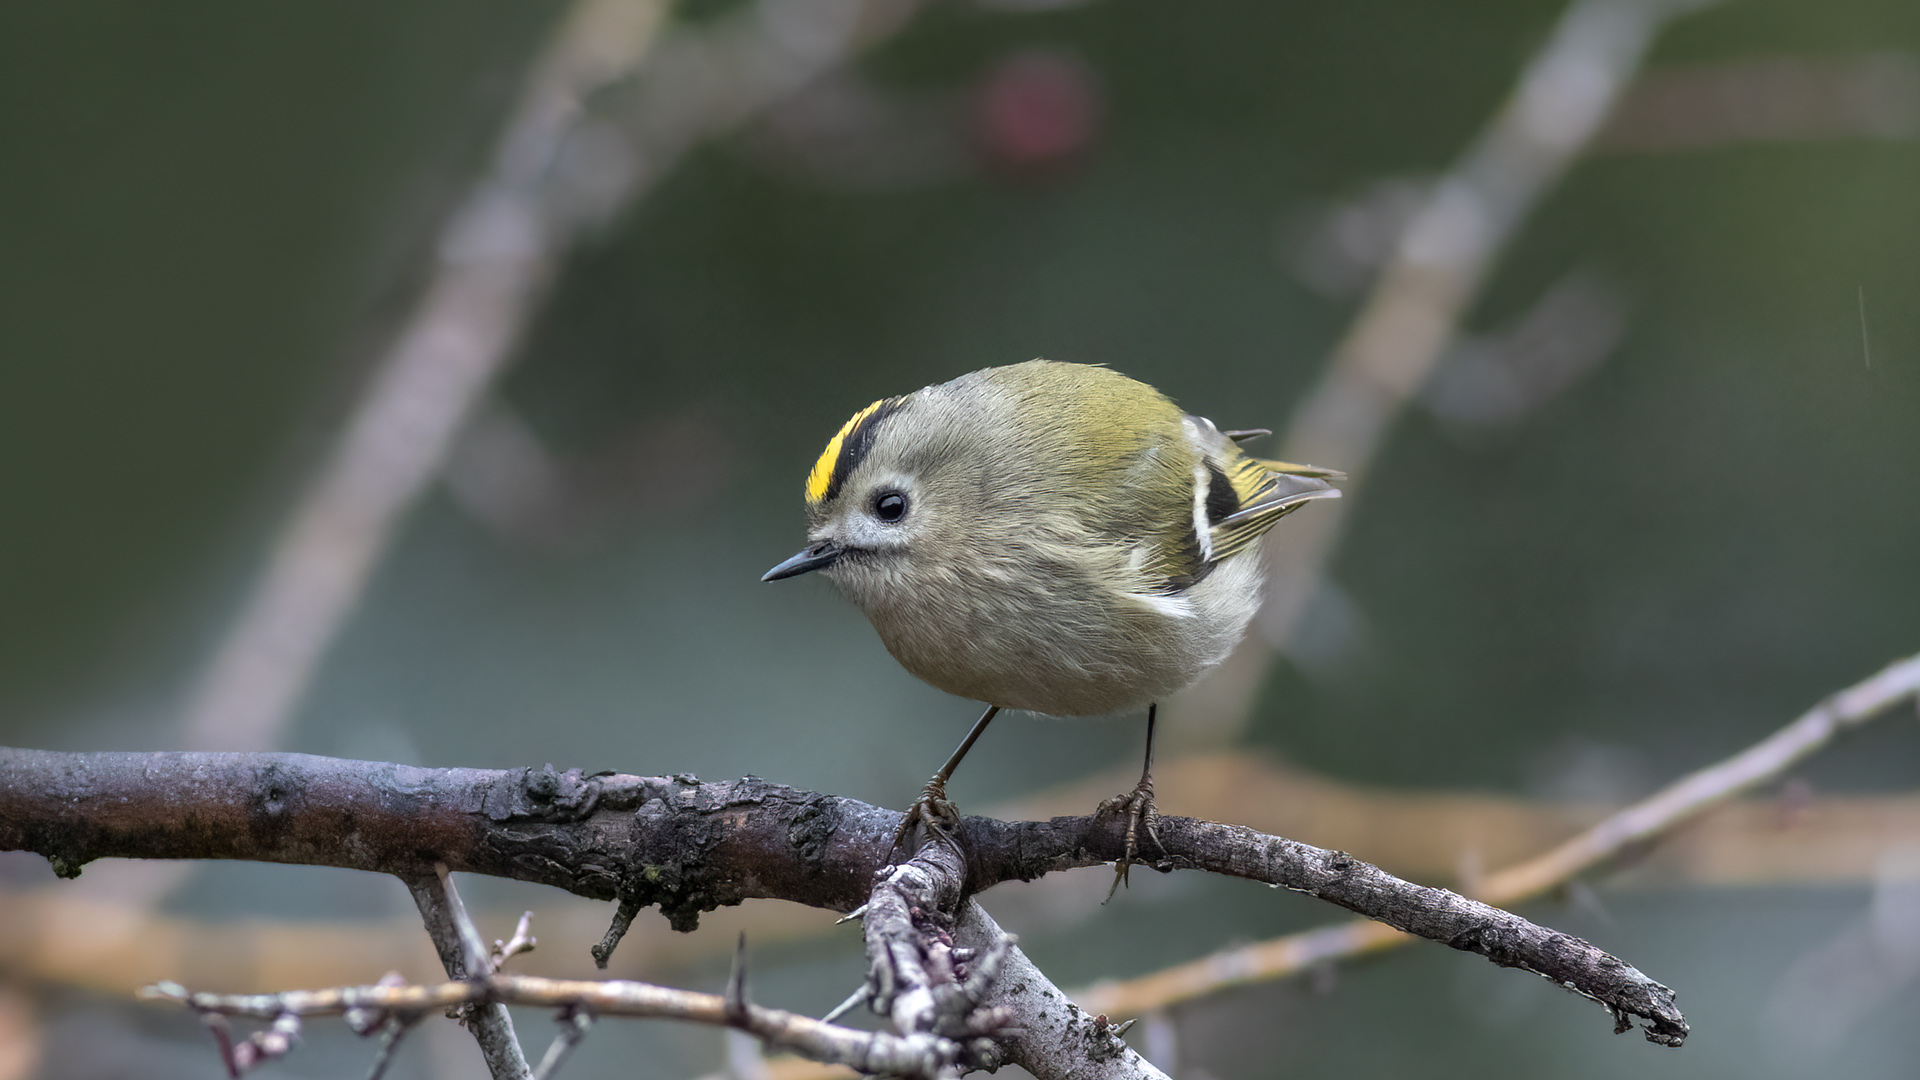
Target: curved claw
[[932, 809], [1142, 817]]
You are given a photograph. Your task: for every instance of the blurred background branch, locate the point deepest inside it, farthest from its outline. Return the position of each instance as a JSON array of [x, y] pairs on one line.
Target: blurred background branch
[[1453, 235], [492, 265], [563, 165]]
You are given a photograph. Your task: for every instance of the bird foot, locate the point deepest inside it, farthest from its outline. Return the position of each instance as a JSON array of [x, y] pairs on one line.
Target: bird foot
[[1142, 819], [932, 810]]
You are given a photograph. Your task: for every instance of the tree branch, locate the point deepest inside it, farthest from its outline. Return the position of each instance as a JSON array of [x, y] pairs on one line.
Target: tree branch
[[1624, 831], [1014, 851], [686, 846], [1799, 836]]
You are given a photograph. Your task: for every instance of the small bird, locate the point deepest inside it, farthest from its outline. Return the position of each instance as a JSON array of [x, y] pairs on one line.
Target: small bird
[[1051, 537]]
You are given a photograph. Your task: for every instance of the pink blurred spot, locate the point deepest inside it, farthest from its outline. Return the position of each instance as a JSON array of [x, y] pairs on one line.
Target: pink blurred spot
[[1037, 113]]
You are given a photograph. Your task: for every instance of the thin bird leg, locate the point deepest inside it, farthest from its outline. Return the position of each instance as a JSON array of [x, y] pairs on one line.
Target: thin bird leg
[[932, 806], [1139, 808]]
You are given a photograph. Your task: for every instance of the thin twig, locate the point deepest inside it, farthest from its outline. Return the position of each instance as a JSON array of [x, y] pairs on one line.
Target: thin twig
[[1694, 794], [574, 1025], [1633, 827], [390, 1035], [624, 912], [873, 1052], [736, 995], [473, 948], [860, 996], [222, 1033], [464, 955], [270, 1043], [522, 941], [364, 1022]]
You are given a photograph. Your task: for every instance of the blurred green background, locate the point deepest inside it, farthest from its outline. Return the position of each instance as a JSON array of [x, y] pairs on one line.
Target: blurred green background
[[214, 215]]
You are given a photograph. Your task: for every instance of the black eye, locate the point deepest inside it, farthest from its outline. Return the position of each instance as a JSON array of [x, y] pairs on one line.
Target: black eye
[[889, 506]]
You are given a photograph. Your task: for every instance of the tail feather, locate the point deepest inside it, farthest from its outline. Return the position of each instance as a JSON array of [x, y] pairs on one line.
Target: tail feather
[[1290, 469]]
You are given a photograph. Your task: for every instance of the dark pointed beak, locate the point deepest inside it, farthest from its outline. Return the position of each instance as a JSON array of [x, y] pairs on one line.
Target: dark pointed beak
[[816, 557]]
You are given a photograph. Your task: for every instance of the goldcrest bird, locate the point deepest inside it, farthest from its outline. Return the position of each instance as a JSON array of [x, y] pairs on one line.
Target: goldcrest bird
[[1051, 537]]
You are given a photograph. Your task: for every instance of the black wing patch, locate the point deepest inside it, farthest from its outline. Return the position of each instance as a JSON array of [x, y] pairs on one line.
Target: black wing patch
[[1222, 500], [1245, 497]]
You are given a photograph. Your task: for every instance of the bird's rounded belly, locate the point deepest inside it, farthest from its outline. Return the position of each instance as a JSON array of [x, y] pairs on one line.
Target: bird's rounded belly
[[1072, 659]]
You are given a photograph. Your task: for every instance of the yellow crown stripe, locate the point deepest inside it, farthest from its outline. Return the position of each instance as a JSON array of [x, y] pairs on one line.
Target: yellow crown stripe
[[822, 475]]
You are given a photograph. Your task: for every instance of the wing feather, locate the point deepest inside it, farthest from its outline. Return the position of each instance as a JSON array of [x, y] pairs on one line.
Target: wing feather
[[1236, 499], [1265, 495]]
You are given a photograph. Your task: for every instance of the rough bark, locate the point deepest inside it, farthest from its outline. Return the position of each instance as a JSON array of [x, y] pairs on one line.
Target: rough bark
[[688, 847]]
